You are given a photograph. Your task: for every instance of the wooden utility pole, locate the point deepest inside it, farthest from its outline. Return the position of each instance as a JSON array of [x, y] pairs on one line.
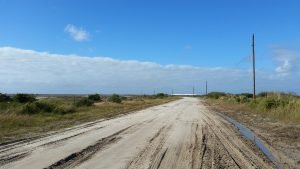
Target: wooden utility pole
[[193, 91], [253, 65], [206, 87]]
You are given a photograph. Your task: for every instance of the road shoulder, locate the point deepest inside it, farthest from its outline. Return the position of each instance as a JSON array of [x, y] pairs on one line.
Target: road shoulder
[[282, 139]]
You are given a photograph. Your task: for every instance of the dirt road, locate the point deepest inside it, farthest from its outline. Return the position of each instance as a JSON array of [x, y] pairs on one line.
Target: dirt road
[[181, 134]]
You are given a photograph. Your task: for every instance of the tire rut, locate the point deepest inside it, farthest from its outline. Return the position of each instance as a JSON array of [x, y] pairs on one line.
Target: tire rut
[[79, 157], [11, 158], [157, 162], [203, 148], [67, 138], [152, 150]]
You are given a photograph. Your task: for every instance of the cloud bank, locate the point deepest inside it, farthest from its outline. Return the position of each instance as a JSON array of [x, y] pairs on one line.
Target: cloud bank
[[77, 34], [41, 72]]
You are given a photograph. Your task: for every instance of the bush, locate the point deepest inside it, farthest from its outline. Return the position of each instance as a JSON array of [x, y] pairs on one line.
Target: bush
[[269, 103], [216, 95], [24, 98], [161, 95], [124, 98], [237, 99], [242, 99], [84, 102], [4, 98], [64, 109], [248, 95], [263, 94], [44, 107], [30, 108], [94, 97], [115, 98], [37, 107]]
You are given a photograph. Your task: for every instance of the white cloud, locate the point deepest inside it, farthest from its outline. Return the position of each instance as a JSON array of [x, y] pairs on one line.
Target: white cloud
[[42, 72], [287, 61], [78, 34]]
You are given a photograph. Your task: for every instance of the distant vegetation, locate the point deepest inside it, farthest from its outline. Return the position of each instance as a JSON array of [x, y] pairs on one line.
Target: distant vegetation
[[161, 95], [280, 106], [4, 98], [84, 102], [95, 97], [216, 95], [115, 98], [24, 98]]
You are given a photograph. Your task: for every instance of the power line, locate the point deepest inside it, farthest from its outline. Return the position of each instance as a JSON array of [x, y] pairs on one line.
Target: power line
[[206, 87], [253, 66]]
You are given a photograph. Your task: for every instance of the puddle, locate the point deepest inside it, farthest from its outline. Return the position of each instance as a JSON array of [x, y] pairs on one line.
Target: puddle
[[254, 139]]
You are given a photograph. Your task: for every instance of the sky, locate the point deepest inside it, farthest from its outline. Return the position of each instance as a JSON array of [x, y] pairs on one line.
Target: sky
[[143, 46]]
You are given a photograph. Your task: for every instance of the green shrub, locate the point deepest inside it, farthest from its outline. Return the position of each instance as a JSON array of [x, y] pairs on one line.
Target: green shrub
[[37, 107], [237, 99], [115, 98], [248, 95], [44, 107], [263, 94], [161, 95], [244, 99], [269, 103], [64, 109], [30, 108], [215, 95], [4, 98], [24, 98], [84, 102], [94, 97]]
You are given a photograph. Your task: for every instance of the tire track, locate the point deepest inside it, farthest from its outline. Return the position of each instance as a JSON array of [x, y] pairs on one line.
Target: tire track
[[203, 148], [79, 157], [18, 156], [11, 158], [152, 149], [67, 138]]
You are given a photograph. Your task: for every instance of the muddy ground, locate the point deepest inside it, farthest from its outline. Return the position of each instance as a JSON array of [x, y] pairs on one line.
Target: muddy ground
[[183, 134], [283, 139]]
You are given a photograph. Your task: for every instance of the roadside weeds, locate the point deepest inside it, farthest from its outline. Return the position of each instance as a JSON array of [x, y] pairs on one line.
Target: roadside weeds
[[280, 136]]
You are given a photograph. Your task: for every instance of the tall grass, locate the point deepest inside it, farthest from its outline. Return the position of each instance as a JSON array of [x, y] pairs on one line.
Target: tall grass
[[278, 106]]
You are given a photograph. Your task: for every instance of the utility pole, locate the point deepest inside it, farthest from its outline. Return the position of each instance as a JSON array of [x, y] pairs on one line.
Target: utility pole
[[172, 92], [193, 91], [206, 87], [253, 65]]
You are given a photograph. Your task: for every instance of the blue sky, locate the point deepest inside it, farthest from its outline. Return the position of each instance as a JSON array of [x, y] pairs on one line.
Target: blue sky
[[202, 34]]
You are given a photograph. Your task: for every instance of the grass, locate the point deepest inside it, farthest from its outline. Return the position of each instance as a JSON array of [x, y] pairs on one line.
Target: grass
[[49, 114], [282, 107]]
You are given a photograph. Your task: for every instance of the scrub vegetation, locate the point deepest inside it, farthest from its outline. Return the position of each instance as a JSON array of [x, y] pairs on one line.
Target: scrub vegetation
[[24, 115], [277, 106]]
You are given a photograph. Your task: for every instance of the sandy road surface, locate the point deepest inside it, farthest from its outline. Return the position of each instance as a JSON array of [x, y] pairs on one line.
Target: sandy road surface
[[181, 134]]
